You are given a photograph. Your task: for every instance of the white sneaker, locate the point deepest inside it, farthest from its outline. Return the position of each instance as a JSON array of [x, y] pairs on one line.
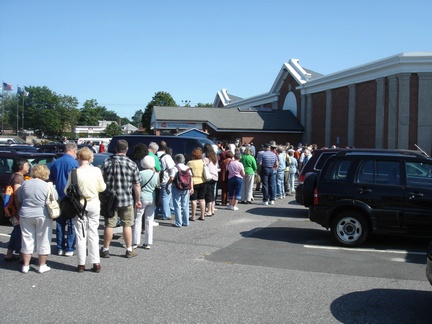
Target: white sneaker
[[44, 268], [69, 253], [235, 208], [230, 207], [265, 203], [25, 268], [155, 224], [60, 252], [146, 246], [271, 202]]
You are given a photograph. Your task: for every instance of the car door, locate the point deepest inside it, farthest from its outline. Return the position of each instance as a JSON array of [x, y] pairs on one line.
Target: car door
[[418, 196], [378, 184]]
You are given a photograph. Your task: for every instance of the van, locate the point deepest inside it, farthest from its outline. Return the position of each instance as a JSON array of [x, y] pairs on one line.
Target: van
[[96, 141], [183, 145]]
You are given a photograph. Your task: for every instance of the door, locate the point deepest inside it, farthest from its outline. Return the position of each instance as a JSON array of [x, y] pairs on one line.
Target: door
[[418, 196], [378, 184]]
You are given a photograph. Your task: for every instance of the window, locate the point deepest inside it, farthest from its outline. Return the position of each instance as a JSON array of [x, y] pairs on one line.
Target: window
[[379, 172], [339, 170], [419, 174]]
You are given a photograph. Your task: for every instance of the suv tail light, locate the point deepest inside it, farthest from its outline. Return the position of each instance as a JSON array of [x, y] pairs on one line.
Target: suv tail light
[[301, 178], [315, 196]]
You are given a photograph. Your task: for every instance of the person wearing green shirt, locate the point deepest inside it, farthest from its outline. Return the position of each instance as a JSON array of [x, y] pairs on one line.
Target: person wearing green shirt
[[250, 166]]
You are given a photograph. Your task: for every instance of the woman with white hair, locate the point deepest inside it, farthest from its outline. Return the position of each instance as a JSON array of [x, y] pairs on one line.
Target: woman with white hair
[[149, 182]]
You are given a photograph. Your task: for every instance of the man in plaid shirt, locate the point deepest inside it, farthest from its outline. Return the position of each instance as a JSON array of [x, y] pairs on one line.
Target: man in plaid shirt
[[122, 176]]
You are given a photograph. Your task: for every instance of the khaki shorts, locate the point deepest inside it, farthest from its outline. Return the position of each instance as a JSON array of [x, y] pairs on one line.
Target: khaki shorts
[[126, 214]]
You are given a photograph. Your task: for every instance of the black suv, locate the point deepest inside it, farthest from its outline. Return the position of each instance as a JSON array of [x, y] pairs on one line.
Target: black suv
[[6, 161], [374, 191], [303, 193]]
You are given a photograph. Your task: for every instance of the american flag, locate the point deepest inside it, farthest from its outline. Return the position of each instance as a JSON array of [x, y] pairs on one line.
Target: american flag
[[7, 86]]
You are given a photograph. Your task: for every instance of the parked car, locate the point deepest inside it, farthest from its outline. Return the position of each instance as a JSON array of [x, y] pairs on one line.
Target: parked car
[[18, 147], [6, 161], [314, 165], [429, 263], [8, 140], [58, 148], [360, 192], [99, 159], [183, 145]]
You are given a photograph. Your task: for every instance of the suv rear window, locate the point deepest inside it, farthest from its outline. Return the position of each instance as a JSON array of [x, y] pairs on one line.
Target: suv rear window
[[339, 170]]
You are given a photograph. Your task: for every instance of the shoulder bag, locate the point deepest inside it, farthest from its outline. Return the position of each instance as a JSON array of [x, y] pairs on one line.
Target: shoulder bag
[[206, 173], [51, 203]]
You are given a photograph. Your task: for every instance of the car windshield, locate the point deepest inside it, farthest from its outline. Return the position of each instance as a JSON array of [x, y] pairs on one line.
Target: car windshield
[[48, 161]]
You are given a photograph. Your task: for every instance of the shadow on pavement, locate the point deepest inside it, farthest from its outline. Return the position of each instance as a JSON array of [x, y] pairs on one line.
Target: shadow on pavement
[[384, 306]]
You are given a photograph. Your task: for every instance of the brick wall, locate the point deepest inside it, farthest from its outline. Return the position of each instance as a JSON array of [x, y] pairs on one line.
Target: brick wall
[[365, 113], [339, 125], [318, 119]]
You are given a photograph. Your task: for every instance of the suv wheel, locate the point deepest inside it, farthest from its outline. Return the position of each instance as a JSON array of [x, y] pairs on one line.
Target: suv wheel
[[309, 185], [349, 228]]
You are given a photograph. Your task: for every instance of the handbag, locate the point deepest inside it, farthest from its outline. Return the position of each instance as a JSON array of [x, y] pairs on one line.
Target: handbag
[[206, 173], [51, 203], [108, 200], [108, 204]]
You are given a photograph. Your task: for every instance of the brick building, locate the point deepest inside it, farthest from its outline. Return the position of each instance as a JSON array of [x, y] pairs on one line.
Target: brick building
[[383, 104]]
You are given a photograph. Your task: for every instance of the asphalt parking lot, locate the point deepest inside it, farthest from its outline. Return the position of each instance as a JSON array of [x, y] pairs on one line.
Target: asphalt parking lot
[[261, 264]]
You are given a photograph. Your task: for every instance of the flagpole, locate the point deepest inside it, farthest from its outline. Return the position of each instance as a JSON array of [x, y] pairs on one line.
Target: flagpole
[[2, 124], [17, 111], [23, 113]]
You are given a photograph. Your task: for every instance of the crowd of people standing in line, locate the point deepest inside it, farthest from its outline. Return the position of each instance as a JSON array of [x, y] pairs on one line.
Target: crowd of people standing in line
[[145, 187]]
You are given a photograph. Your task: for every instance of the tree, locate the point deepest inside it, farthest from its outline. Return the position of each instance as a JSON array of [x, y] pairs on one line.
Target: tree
[[160, 98], [41, 113], [92, 112], [136, 118], [69, 114], [207, 105], [112, 130]]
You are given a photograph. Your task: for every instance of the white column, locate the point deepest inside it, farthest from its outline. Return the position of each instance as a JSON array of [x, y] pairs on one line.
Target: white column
[[403, 111], [424, 129]]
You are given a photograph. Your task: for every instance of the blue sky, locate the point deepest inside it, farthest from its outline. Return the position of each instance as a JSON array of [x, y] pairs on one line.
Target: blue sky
[[122, 52]]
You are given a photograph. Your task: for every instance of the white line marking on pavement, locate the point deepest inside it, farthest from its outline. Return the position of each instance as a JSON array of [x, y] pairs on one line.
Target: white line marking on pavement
[[361, 250]]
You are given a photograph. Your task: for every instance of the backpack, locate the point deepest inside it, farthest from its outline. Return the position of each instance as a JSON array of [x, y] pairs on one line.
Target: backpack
[[182, 179], [70, 206], [162, 171], [10, 208]]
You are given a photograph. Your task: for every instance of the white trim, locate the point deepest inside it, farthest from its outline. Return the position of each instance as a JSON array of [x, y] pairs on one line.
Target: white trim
[[401, 63]]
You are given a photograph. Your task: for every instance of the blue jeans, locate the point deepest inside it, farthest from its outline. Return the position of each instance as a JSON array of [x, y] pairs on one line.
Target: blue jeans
[[69, 243], [181, 206], [15, 239], [280, 179], [267, 180], [166, 201], [234, 188]]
